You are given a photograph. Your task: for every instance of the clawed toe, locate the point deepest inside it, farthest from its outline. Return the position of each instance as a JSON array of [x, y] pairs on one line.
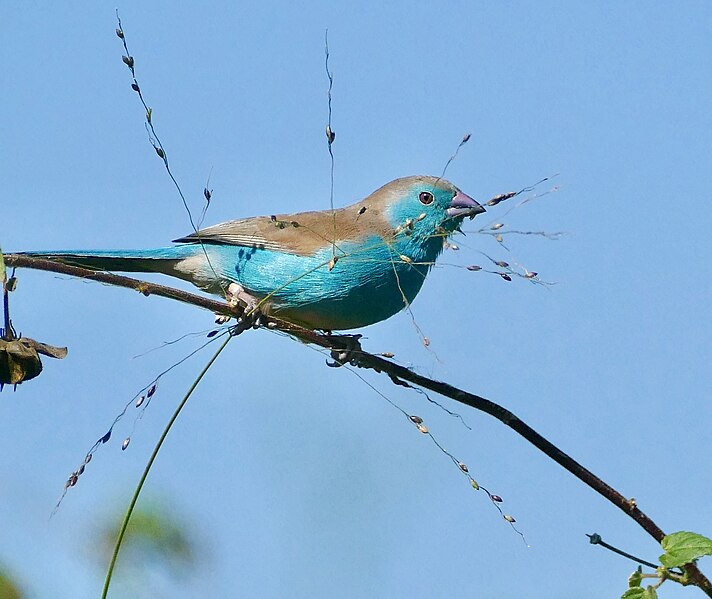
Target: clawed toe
[[348, 346], [251, 316]]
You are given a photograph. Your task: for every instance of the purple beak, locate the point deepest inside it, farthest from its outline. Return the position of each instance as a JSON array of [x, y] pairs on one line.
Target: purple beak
[[464, 205]]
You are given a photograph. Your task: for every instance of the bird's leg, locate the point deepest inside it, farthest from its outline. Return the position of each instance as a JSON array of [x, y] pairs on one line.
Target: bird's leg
[[347, 346], [236, 295]]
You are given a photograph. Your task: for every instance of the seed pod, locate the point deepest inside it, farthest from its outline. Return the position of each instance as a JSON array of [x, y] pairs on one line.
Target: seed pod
[[423, 429], [125, 444], [474, 267], [509, 519], [530, 275], [140, 401], [388, 354], [501, 197], [128, 61], [406, 259], [333, 261], [505, 276], [212, 333], [474, 484], [426, 342], [496, 498], [462, 467], [496, 226], [466, 138], [135, 87], [499, 238], [106, 437], [119, 33], [330, 135], [502, 264], [416, 419], [160, 152]]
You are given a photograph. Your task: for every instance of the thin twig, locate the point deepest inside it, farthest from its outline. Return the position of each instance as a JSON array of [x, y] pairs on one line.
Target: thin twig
[[143, 287], [395, 372], [595, 539]]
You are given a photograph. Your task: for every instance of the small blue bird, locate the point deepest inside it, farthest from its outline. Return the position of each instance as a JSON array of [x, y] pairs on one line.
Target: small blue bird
[[330, 270]]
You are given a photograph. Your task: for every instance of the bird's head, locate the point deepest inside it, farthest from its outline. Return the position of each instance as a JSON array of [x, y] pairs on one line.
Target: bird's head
[[424, 206]]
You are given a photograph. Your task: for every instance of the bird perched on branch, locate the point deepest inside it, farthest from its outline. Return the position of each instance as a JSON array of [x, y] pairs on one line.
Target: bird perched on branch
[[330, 270]]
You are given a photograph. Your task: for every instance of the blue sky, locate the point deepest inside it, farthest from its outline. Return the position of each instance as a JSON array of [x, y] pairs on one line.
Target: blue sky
[[299, 480]]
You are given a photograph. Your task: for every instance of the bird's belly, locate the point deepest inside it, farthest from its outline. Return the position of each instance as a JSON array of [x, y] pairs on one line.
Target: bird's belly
[[367, 284]]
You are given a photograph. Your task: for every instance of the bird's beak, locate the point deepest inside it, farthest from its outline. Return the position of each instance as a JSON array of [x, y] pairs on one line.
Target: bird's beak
[[464, 205]]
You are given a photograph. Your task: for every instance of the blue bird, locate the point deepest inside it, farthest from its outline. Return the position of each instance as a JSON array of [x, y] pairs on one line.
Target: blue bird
[[330, 270]]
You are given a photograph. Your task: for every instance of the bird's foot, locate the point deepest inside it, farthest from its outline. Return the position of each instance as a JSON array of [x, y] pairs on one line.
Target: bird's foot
[[236, 295], [345, 350], [252, 316]]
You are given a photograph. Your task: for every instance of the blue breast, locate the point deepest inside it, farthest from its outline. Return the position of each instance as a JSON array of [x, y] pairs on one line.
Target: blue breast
[[369, 282]]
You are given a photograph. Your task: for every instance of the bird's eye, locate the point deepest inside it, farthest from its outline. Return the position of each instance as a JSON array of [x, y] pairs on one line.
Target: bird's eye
[[426, 197]]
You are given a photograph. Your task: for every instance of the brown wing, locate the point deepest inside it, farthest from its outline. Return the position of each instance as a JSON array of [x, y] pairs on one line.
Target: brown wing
[[302, 233], [305, 233]]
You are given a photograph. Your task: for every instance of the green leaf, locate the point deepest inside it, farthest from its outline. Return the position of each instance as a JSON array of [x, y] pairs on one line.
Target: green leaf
[[684, 547], [639, 593]]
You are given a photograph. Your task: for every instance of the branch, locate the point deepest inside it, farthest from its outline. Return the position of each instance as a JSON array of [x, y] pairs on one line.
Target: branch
[[397, 373]]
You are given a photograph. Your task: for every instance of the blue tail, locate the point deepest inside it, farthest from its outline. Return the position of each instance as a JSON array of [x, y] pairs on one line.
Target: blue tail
[[162, 260]]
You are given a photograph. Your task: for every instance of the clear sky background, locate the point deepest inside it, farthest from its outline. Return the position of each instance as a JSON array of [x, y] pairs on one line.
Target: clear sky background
[[298, 480]]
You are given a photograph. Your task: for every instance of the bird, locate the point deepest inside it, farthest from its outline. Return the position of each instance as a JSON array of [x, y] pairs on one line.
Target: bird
[[331, 270]]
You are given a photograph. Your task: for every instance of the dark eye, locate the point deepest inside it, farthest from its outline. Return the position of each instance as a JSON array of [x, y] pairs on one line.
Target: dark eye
[[426, 197]]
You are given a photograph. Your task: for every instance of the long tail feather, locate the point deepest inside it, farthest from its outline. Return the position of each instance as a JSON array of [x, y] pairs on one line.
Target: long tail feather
[[161, 260]]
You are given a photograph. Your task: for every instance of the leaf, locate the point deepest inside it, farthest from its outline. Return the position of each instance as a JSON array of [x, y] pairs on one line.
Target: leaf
[[684, 547], [640, 593], [634, 593], [18, 362]]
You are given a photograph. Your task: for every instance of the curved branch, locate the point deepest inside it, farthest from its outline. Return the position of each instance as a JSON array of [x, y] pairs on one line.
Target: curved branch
[[394, 371]]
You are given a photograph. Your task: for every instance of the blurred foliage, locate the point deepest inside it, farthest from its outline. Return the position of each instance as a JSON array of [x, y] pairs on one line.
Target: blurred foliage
[[158, 551], [155, 534], [9, 588]]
